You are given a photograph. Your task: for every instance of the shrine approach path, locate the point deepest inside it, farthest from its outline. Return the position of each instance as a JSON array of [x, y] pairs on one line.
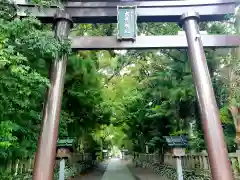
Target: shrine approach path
[[117, 169]]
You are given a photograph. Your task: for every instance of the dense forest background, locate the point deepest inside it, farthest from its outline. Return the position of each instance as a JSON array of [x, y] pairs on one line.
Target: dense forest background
[[127, 99]]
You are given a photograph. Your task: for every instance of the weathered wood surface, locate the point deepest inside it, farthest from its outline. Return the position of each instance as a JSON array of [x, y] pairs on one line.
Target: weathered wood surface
[[148, 11]]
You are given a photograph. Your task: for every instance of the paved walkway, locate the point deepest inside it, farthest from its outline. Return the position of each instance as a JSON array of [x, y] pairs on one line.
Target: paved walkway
[[144, 174], [117, 170], [120, 170]]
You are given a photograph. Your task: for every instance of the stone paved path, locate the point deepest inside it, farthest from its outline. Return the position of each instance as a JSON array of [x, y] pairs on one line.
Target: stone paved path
[[120, 170], [144, 174], [95, 174], [117, 170]]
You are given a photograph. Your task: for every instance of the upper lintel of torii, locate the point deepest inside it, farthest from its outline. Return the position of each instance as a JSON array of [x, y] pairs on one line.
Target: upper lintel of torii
[[148, 11]]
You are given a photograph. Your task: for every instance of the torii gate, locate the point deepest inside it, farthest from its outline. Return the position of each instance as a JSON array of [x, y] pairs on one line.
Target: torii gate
[[188, 13]]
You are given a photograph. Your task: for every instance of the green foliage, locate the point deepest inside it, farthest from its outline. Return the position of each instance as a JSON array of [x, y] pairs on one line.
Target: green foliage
[[26, 48], [225, 115], [111, 98], [153, 95]]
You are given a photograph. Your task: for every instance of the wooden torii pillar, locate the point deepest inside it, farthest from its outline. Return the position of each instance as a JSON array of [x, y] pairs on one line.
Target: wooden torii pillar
[[46, 152]]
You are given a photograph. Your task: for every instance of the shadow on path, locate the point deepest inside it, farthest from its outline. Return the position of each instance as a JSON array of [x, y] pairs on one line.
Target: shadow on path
[[94, 173], [143, 173]]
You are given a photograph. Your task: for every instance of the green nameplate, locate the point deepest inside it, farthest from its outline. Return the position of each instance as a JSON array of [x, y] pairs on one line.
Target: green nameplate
[[127, 22]]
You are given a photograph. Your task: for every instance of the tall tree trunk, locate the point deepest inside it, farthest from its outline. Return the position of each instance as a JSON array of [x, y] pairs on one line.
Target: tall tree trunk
[[16, 167], [235, 111]]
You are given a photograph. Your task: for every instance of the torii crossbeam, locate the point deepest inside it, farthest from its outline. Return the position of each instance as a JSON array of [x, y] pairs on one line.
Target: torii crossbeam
[[148, 11], [152, 42]]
